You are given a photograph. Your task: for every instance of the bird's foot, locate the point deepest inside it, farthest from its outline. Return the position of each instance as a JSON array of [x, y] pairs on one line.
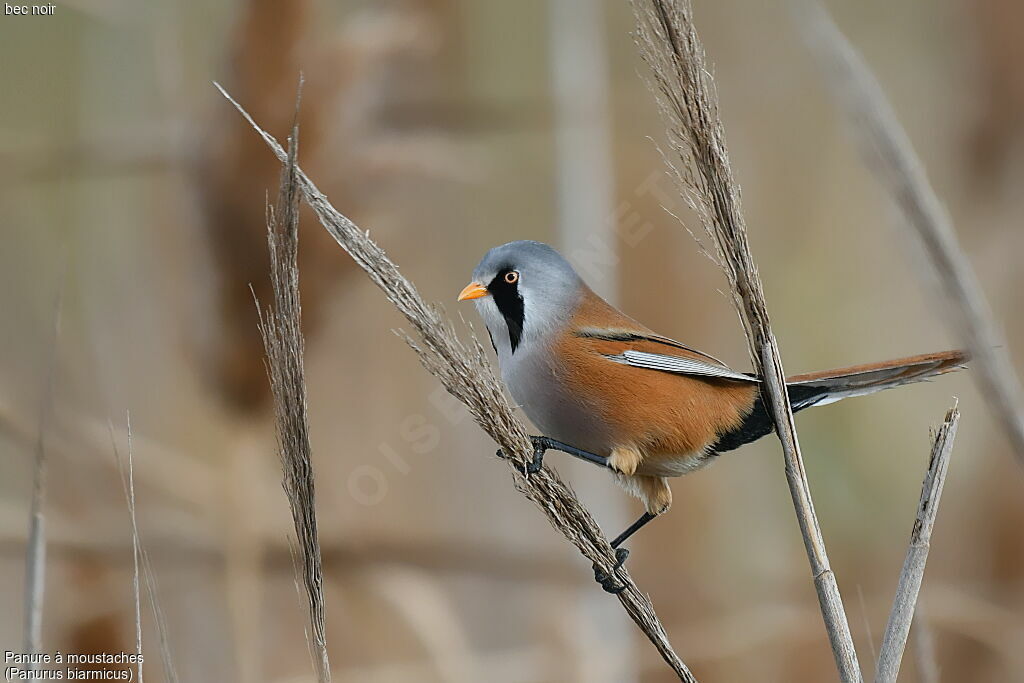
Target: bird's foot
[[540, 445], [607, 580]]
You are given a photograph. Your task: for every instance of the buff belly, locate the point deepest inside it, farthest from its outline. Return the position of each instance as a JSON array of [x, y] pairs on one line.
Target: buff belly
[[673, 465]]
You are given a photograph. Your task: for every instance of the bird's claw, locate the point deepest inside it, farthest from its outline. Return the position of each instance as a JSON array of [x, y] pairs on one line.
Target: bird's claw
[[535, 465], [540, 446], [607, 580]]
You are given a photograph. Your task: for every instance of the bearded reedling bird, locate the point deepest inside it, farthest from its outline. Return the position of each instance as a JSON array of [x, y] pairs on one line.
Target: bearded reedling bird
[[604, 388]]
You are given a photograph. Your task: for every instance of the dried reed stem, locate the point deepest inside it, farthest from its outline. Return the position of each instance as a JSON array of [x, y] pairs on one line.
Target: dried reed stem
[[898, 626], [141, 559], [170, 672], [891, 157], [467, 376], [35, 560], [128, 484], [699, 163], [281, 327], [35, 557]]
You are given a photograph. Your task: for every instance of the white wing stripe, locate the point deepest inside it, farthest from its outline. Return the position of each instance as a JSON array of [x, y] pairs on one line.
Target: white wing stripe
[[678, 365]]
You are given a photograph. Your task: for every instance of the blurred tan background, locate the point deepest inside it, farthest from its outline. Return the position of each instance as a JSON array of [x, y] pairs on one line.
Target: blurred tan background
[[447, 127]]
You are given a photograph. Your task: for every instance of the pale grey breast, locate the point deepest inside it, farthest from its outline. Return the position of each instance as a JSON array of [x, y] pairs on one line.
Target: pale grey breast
[[537, 387]]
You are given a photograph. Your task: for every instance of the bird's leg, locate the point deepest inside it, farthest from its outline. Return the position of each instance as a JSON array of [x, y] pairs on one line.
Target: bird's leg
[[607, 580], [542, 444], [632, 529]]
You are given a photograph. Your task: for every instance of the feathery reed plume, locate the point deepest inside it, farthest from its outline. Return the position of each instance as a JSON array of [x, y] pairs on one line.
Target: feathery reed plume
[[688, 104], [898, 627], [467, 376], [281, 328], [887, 148], [35, 557]]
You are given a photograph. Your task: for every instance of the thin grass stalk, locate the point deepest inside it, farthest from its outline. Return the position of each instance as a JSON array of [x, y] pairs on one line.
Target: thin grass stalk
[[127, 472], [35, 562], [466, 375], [163, 637], [698, 160], [140, 558], [35, 555]]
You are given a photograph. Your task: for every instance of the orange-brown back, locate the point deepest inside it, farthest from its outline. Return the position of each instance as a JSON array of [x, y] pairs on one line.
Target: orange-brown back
[[657, 412]]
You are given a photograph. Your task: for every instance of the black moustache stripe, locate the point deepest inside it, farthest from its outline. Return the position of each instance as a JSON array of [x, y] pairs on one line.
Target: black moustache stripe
[[510, 304], [491, 338]]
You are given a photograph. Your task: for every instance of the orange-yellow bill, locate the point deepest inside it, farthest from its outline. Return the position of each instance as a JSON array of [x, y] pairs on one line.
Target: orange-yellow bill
[[474, 290]]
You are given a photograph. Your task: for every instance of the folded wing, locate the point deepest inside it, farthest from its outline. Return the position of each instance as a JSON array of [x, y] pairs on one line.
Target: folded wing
[[680, 365]]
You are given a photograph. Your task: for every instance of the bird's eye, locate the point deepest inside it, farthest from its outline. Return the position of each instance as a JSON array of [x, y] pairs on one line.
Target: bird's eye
[[512, 277]]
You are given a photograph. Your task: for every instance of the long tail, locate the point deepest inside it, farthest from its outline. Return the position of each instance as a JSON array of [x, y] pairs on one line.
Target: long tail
[[822, 388]]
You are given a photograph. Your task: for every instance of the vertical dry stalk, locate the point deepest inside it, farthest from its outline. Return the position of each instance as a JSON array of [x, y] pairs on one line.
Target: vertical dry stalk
[[887, 148], [35, 557], [128, 484], [688, 103], [467, 376], [282, 337], [898, 627], [170, 672], [141, 558]]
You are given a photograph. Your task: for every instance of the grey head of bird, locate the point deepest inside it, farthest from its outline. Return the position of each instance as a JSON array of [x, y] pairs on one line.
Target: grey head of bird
[[522, 290]]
